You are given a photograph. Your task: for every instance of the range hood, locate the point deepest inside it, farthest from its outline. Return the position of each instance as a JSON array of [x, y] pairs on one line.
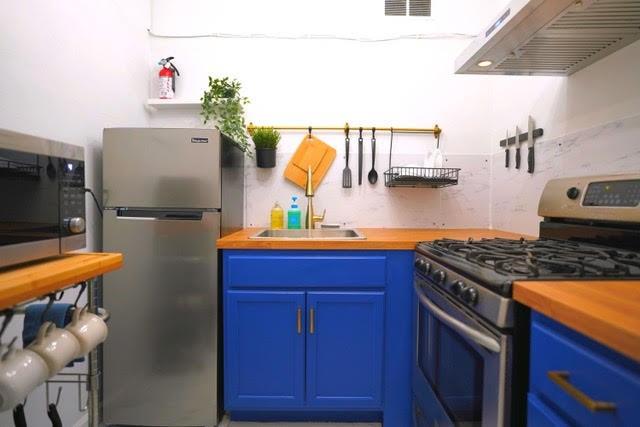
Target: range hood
[[551, 37]]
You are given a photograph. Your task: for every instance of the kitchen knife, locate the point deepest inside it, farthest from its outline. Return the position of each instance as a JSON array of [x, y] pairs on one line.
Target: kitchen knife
[[506, 151], [517, 148], [531, 161], [360, 148]]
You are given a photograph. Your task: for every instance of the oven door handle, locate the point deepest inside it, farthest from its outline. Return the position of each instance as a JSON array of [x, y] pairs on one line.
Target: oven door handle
[[476, 336]]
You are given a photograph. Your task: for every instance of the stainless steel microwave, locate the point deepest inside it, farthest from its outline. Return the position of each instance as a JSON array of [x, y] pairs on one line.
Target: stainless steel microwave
[[42, 200]]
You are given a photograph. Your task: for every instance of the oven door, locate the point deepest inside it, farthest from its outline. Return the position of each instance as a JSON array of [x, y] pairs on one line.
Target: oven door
[[460, 369]]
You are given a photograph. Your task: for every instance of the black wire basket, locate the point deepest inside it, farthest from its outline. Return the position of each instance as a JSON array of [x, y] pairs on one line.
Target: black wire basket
[[406, 176]]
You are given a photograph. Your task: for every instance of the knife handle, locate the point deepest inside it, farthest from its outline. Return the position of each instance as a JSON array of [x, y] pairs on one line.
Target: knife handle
[[531, 161], [506, 157], [518, 158]]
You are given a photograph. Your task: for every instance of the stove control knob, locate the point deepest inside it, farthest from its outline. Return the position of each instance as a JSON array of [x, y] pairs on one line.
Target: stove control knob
[[457, 287], [470, 295], [439, 276], [422, 266], [573, 193]]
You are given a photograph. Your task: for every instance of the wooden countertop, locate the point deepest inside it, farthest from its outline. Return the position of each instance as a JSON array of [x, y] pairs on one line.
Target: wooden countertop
[[377, 238], [605, 311], [32, 280]]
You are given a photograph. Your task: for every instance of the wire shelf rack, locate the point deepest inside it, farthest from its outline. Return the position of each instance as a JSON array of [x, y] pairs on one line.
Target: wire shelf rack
[[405, 176]]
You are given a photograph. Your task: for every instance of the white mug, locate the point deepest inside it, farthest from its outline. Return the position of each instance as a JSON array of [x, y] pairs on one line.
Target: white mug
[[21, 371], [88, 328], [56, 346]]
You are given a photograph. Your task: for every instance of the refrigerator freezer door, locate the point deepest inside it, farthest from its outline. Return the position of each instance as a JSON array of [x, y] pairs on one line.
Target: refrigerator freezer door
[[161, 168], [160, 360]]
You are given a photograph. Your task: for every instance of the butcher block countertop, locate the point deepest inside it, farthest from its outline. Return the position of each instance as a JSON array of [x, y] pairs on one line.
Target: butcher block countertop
[[28, 281], [377, 238], [605, 311]]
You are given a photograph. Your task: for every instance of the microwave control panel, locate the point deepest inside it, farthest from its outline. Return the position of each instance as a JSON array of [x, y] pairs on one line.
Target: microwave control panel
[[72, 197]]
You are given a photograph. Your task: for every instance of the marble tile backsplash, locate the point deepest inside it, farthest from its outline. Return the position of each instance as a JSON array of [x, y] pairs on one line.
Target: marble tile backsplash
[[611, 148], [462, 206]]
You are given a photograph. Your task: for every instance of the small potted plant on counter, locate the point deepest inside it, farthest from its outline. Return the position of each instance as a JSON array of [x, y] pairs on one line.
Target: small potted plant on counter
[[266, 140]]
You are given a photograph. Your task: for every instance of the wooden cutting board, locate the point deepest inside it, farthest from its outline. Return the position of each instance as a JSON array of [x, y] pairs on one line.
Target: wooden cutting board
[[311, 152]]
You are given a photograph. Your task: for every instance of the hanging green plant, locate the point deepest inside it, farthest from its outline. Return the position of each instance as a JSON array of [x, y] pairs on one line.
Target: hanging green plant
[[223, 104]]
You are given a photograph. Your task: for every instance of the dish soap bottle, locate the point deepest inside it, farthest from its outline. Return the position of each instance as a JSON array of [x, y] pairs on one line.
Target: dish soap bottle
[[277, 217], [294, 215]]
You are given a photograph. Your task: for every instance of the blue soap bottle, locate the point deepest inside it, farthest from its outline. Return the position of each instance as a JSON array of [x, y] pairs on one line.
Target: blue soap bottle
[[294, 216]]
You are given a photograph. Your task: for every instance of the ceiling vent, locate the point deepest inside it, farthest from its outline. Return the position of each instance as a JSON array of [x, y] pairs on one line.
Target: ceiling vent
[[551, 37], [407, 7]]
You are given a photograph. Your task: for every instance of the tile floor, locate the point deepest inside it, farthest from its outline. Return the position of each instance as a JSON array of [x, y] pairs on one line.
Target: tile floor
[[226, 423]]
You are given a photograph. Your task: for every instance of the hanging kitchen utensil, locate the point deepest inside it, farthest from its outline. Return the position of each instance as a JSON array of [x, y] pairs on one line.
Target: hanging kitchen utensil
[[346, 172], [531, 161], [52, 411], [19, 420], [518, 159], [373, 175], [506, 152], [360, 147]]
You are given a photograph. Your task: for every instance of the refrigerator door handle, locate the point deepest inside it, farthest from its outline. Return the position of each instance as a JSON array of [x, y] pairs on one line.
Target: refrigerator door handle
[[155, 215]]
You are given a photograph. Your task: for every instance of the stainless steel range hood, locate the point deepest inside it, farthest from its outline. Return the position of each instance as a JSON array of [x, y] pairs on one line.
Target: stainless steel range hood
[[551, 37]]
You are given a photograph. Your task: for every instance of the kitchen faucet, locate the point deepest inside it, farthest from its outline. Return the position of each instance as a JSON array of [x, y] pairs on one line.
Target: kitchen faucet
[[310, 218]]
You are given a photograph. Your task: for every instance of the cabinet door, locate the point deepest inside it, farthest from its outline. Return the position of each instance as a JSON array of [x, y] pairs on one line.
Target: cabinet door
[[264, 340], [344, 349]]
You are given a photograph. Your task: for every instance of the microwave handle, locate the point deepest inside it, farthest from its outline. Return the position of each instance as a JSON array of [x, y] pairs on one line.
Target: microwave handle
[[478, 337]]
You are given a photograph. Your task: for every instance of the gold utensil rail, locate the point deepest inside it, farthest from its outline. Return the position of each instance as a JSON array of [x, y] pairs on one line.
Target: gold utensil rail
[[347, 127]]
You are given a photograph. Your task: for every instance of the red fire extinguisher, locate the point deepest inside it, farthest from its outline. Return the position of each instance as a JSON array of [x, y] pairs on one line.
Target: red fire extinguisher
[[167, 78]]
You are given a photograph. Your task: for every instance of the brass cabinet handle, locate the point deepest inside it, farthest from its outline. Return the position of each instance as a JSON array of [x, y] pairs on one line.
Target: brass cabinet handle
[[561, 379], [299, 320], [312, 321]]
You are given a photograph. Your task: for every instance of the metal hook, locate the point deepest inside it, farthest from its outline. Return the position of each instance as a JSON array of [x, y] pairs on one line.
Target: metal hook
[[83, 287], [346, 129], [52, 298], [310, 132], [373, 133], [8, 315], [360, 132]]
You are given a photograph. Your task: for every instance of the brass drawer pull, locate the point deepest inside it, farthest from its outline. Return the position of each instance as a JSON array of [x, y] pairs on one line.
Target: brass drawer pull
[[299, 320], [561, 378], [312, 321]]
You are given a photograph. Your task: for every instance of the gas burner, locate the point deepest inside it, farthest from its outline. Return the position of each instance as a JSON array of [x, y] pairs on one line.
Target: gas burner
[[499, 262]]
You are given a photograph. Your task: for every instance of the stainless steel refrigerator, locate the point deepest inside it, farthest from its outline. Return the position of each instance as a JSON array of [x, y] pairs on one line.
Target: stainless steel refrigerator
[[168, 195]]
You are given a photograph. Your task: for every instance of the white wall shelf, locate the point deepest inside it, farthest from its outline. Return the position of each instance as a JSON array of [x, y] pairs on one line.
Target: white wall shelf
[[172, 104]]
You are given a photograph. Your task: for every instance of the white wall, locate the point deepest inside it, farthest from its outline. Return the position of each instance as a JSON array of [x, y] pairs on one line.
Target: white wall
[[591, 125], [69, 69], [328, 82]]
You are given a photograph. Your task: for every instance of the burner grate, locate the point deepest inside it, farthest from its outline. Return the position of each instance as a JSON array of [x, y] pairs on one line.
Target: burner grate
[[544, 258]]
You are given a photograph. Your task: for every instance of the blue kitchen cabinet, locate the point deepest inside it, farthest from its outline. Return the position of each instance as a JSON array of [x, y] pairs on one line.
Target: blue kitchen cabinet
[[569, 371], [265, 339], [352, 360], [344, 349]]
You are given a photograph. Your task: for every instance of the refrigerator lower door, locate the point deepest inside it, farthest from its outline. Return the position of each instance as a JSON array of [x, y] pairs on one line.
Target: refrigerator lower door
[[160, 359]]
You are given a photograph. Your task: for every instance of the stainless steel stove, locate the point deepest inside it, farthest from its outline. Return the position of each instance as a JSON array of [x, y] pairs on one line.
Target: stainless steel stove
[[471, 336]]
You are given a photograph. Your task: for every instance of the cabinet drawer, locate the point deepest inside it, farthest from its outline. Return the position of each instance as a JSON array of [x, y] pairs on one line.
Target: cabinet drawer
[[578, 364], [296, 269], [540, 415]]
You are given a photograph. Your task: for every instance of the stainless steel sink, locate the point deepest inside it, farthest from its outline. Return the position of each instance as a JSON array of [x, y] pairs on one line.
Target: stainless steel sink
[[316, 234]]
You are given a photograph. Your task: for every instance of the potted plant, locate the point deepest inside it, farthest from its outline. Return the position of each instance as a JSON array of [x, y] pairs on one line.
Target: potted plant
[[223, 104], [266, 141]]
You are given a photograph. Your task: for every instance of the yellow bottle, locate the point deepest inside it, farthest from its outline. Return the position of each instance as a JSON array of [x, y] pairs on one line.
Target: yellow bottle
[[277, 217]]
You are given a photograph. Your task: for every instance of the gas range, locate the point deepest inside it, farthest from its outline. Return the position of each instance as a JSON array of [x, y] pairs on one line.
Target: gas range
[[590, 224], [480, 273], [472, 346]]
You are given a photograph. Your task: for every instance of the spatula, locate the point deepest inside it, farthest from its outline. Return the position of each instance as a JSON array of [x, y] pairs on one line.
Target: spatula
[[346, 172]]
